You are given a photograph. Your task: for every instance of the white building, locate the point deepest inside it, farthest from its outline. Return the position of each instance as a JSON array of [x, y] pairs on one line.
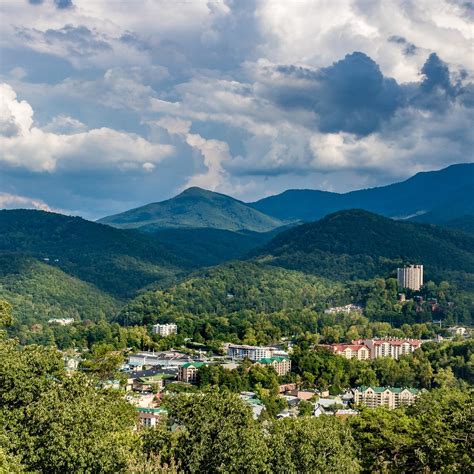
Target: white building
[[165, 329], [235, 351], [61, 321], [410, 277]]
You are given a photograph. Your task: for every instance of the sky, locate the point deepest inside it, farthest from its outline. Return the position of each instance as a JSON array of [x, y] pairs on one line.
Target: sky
[[106, 105]]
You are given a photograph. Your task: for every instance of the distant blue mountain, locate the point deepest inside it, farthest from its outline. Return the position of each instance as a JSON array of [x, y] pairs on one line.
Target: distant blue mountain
[[435, 197]]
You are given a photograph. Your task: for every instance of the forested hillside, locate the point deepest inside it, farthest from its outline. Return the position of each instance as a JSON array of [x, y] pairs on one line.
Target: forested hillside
[[116, 261], [38, 291], [358, 244]]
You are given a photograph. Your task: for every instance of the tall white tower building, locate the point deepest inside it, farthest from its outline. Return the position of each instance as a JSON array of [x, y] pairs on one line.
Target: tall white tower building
[[410, 277]]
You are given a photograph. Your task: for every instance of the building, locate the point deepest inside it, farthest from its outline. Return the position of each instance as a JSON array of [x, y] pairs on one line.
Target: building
[[165, 329], [410, 277], [149, 416], [61, 321], [163, 359], [351, 351], [389, 397], [282, 365], [347, 309], [393, 348], [235, 351], [188, 372], [458, 331], [153, 383]]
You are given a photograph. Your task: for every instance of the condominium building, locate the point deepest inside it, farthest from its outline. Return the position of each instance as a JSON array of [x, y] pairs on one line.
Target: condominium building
[[389, 397], [282, 365], [393, 348], [351, 351], [254, 353], [410, 277], [188, 372], [165, 329]]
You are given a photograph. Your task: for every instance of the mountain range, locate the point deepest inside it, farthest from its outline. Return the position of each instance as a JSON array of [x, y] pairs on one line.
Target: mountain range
[[443, 197], [52, 264]]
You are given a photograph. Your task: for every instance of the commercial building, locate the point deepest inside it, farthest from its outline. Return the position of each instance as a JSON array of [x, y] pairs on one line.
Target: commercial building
[[165, 329], [347, 309], [410, 277], [282, 365], [393, 348], [164, 359], [235, 351], [389, 397], [351, 351], [188, 372], [364, 349]]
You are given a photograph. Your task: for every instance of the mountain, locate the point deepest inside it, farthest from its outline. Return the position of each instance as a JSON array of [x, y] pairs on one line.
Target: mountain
[[196, 208], [358, 244], [118, 262], [440, 195]]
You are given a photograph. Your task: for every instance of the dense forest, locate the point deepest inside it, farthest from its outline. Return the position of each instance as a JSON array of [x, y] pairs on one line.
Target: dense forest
[[356, 244]]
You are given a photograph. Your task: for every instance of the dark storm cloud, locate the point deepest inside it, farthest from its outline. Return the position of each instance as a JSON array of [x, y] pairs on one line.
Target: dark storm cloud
[[63, 4], [409, 49], [353, 95]]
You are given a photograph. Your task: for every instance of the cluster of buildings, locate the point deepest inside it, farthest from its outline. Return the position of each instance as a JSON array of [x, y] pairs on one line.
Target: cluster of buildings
[[365, 349], [61, 321], [348, 308]]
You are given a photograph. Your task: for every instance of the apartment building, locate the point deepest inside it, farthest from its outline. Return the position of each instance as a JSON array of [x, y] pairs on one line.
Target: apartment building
[[254, 353], [389, 397], [188, 372], [165, 329], [282, 365], [393, 348], [351, 351], [410, 277]]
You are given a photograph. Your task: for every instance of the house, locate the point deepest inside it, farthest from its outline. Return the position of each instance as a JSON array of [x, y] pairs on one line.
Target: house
[[389, 397], [153, 383], [61, 321], [150, 416], [318, 410], [457, 331], [188, 372], [282, 365], [345, 413]]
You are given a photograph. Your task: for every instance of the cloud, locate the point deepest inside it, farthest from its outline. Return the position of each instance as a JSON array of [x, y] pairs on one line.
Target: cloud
[[27, 146], [12, 201]]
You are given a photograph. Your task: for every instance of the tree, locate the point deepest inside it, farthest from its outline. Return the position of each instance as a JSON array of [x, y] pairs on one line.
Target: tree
[[317, 445], [6, 318], [216, 433], [57, 423]]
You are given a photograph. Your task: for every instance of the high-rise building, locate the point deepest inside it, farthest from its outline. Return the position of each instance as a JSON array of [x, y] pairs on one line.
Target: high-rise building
[[410, 277]]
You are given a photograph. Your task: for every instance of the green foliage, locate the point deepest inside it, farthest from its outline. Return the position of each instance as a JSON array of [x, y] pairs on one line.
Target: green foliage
[[317, 445], [433, 435], [194, 208], [54, 423], [236, 301], [358, 244], [217, 434], [39, 292], [6, 318]]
